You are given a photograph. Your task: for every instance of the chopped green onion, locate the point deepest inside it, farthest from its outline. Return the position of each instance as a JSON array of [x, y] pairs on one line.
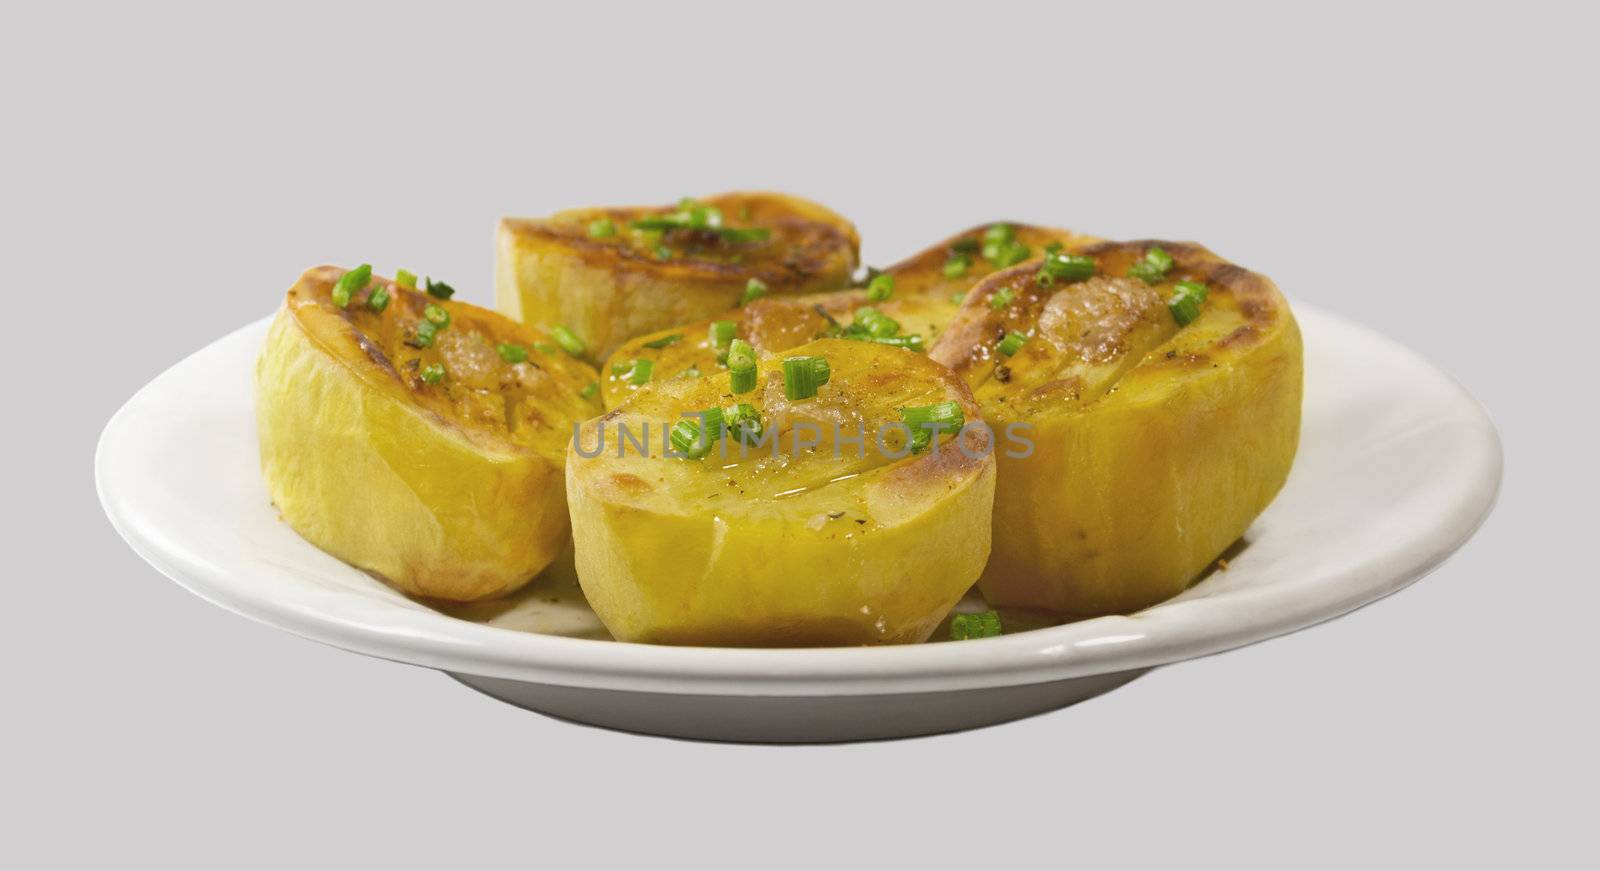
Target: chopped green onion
[[722, 332], [754, 289], [438, 288], [349, 283], [876, 323], [512, 353], [1012, 343], [881, 287], [1008, 254], [686, 440], [923, 420], [433, 373], [741, 366], [545, 347], [1054, 247], [1154, 267], [436, 315], [1000, 233], [910, 343], [965, 626], [1185, 303], [693, 438], [602, 228], [743, 421], [664, 341], [1002, 298], [405, 278], [424, 334], [803, 375], [589, 390], [567, 339], [662, 252], [640, 373], [968, 246], [621, 368], [378, 299], [1066, 267], [957, 265]]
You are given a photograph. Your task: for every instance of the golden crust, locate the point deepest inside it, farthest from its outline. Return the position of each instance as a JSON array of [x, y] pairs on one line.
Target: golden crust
[[552, 271]]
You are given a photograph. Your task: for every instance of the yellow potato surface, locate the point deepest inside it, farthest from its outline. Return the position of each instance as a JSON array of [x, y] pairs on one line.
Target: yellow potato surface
[[451, 489], [609, 288], [928, 289], [1154, 444], [789, 543]]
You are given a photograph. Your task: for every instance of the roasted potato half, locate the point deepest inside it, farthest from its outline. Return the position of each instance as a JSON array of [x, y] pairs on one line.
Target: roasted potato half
[[1143, 422], [610, 274], [417, 438], [926, 290], [787, 541]]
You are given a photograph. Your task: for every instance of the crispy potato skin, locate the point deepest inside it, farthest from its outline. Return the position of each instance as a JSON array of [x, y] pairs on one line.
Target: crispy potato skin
[[550, 271], [924, 301], [1154, 446], [762, 551], [405, 479]]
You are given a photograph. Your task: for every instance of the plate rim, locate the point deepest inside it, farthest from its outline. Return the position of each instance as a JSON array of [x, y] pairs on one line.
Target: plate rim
[[1168, 633]]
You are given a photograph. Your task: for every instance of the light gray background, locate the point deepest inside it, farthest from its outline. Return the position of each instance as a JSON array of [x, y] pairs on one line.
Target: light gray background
[[1429, 171]]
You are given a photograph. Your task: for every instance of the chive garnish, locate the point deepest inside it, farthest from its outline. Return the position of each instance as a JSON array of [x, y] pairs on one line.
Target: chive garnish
[[589, 390], [722, 333], [1011, 344], [349, 283], [438, 288], [881, 287], [433, 373], [965, 626], [803, 375], [512, 353], [754, 289], [741, 366], [378, 299], [423, 337], [567, 339], [436, 315], [925, 420], [664, 341], [743, 422], [1002, 298], [640, 373], [602, 228], [1185, 302], [1153, 267]]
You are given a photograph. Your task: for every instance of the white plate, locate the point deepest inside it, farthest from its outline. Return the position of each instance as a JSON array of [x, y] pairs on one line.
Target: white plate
[[1397, 467]]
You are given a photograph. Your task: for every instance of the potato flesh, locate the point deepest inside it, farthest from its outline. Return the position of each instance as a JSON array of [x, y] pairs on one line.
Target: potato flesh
[[449, 490], [923, 302], [820, 548], [553, 271], [1155, 445]]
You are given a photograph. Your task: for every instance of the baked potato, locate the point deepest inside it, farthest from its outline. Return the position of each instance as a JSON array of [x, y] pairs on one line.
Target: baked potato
[[1146, 397], [610, 274], [923, 294], [799, 538], [418, 438]]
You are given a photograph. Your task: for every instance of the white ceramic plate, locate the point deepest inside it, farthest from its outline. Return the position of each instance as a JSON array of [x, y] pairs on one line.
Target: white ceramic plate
[[1397, 467]]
